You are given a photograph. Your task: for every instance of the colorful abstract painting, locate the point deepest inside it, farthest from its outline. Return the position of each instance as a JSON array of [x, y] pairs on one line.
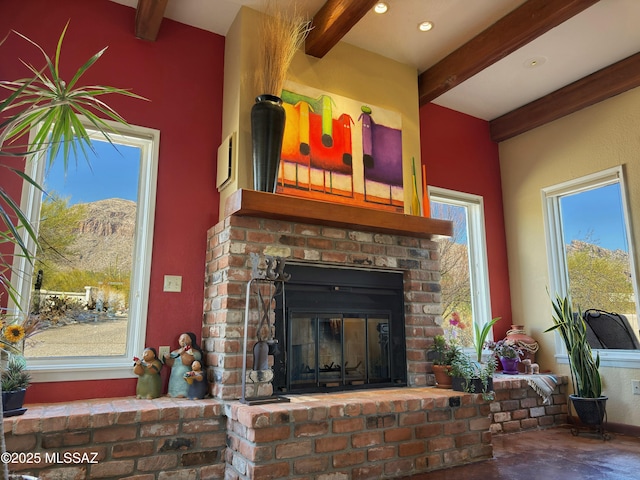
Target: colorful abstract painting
[[340, 150]]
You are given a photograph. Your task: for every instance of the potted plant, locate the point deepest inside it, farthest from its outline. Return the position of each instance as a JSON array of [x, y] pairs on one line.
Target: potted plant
[[51, 108], [471, 376], [442, 353], [509, 354], [15, 380], [481, 336], [587, 398]]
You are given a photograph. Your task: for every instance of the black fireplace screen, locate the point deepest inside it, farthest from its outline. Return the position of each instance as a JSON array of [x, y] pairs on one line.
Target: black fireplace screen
[[342, 329]]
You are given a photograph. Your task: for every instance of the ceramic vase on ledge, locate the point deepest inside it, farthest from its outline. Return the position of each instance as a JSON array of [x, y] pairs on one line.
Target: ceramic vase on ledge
[[267, 131]]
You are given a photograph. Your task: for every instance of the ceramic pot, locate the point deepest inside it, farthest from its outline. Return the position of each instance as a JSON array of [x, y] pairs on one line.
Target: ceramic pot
[[267, 131], [12, 403], [510, 365], [443, 379], [528, 344]]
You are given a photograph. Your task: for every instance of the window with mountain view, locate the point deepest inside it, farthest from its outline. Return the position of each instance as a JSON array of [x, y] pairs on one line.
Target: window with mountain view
[[591, 253], [464, 272], [86, 292]]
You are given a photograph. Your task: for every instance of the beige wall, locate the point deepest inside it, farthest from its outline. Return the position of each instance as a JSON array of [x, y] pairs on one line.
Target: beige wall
[[599, 137], [346, 70]]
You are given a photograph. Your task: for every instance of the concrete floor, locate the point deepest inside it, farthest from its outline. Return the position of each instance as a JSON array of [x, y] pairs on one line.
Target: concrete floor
[[552, 454]]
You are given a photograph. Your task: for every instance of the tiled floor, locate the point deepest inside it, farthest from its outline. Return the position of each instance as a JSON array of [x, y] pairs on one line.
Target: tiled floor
[[552, 454]]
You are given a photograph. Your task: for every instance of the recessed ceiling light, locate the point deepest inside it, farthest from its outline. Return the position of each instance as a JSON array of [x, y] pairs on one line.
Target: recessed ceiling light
[[381, 7], [534, 62], [425, 26]]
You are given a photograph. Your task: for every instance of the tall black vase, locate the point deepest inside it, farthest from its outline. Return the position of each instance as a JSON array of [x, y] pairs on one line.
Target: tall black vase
[[267, 130]]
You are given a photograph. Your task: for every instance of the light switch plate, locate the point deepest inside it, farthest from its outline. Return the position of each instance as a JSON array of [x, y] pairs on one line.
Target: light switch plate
[[172, 283], [162, 351]]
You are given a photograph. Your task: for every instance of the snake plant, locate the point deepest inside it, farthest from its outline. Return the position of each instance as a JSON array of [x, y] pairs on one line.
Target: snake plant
[[584, 367]]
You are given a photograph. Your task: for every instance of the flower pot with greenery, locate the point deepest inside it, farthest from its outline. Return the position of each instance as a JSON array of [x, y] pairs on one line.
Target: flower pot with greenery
[[471, 376], [509, 354], [15, 380], [587, 399], [442, 353]]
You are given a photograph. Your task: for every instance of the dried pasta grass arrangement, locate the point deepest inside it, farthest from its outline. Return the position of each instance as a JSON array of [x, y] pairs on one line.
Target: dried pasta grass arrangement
[[281, 35]]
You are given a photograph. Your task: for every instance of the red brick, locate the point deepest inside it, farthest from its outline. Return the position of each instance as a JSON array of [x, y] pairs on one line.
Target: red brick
[[140, 448], [465, 412], [311, 429], [350, 458], [438, 444], [433, 429], [439, 415], [311, 465], [115, 469], [331, 444], [343, 425], [157, 463], [369, 439], [271, 434], [159, 430], [367, 473], [413, 418], [411, 449], [291, 450], [397, 435], [398, 468], [269, 471], [115, 434], [467, 439], [381, 453]]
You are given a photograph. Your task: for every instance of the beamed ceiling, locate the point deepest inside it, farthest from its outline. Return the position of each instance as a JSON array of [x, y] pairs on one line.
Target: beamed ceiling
[[519, 27]]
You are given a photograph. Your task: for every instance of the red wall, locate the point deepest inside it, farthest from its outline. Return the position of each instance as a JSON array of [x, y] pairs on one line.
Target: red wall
[[181, 74], [459, 154]]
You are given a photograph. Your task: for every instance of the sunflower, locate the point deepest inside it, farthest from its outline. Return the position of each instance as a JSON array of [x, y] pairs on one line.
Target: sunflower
[[13, 333]]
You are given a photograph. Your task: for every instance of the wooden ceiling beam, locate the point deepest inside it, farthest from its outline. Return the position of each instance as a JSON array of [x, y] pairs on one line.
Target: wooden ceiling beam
[[601, 85], [332, 22], [524, 24], [149, 15]]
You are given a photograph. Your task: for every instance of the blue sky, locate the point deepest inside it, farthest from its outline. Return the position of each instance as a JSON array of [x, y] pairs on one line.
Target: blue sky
[[595, 216], [113, 174]]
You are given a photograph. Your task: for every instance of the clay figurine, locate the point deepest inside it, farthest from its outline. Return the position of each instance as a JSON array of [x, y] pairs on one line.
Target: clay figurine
[[197, 381], [148, 371], [180, 361]]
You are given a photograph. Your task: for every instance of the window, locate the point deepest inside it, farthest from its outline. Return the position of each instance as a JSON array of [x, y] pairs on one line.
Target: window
[[83, 283], [590, 252], [465, 278]]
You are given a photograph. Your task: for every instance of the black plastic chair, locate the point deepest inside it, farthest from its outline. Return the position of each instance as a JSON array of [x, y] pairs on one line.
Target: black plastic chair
[[609, 330]]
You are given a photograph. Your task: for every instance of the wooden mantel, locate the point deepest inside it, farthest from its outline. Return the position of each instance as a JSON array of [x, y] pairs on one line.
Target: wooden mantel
[[252, 203]]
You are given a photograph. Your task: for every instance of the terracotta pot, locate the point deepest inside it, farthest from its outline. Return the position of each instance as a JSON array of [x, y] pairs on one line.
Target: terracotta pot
[[443, 379], [527, 343]]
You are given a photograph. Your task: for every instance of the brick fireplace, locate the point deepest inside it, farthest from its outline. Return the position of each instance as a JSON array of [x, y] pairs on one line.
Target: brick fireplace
[[314, 233]]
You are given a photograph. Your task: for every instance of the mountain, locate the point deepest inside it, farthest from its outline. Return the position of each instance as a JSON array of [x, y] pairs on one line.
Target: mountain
[[104, 238]]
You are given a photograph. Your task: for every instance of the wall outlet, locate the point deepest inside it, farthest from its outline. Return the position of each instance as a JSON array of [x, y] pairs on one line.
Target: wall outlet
[[172, 283], [162, 351], [635, 387]]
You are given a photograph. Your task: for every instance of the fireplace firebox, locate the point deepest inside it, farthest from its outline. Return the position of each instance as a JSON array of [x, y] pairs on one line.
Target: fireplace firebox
[[339, 329]]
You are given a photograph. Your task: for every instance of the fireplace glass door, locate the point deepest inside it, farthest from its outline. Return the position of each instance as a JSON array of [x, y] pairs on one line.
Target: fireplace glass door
[[338, 350], [339, 329]]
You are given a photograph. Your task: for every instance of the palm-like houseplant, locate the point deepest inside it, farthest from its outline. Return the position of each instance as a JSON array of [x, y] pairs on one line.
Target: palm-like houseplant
[[584, 367], [52, 111]]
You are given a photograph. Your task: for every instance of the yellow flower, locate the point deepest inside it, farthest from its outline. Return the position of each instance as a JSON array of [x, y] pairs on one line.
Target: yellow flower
[[13, 333]]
